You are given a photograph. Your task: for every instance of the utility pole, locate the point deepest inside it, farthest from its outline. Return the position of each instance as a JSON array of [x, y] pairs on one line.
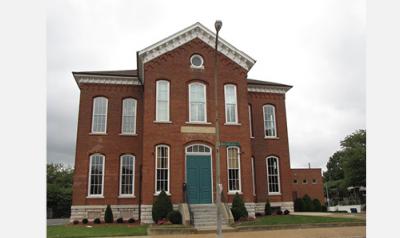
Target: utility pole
[[218, 25]]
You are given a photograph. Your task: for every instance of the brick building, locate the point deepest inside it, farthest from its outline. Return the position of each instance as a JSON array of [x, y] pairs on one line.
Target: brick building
[[152, 129], [308, 181]]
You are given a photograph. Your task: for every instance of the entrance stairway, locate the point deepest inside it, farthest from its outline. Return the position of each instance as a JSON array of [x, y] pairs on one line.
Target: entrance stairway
[[205, 217]]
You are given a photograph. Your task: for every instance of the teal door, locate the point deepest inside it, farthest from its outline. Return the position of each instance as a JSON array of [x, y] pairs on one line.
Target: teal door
[[198, 178]]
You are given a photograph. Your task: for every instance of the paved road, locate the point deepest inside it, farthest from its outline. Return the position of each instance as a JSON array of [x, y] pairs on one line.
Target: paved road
[[336, 232], [58, 221]]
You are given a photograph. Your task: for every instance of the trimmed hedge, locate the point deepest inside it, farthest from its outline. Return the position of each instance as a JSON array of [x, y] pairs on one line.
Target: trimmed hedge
[[161, 207], [306, 204], [175, 217], [267, 208], [108, 215], [85, 221], [120, 220], [97, 221]]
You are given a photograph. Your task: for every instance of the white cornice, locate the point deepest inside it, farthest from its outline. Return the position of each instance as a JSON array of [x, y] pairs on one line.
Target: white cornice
[[196, 30], [100, 79], [267, 89]]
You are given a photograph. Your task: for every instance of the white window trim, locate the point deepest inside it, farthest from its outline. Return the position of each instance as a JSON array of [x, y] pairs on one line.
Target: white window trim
[[90, 176], [265, 129], [250, 121], [122, 118], [205, 104], [168, 107], [105, 122], [194, 66], [236, 106], [240, 170], [314, 181], [155, 167], [279, 176], [253, 176], [133, 175]]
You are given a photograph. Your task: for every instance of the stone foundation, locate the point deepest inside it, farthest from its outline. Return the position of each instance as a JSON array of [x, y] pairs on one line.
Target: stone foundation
[[78, 212], [259, 207]]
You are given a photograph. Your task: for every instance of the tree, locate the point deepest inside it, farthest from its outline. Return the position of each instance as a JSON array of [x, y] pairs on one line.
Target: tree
[[59, 189], [161, 207], [108, 215]]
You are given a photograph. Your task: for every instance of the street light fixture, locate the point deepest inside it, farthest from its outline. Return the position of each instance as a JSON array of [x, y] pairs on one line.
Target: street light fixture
[[218, 25]]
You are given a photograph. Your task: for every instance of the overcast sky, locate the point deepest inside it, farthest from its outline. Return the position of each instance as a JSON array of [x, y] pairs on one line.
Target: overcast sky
[[316, 46]]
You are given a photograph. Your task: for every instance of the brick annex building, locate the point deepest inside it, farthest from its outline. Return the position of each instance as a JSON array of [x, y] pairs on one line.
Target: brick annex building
[[152, 129]]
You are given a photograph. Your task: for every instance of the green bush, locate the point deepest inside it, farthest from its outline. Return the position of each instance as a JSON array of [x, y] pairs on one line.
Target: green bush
[[97, 221], [267, 208], [316, 205], [175, 217], [76, 222], [238, 209], [161, 207], [308, 204], [120, 220], [298, 205], [85, 221], [131, 220], [324, 208], [108, 215]]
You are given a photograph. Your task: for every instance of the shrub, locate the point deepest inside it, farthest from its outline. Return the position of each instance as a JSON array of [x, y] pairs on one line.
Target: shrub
[[258, 214], [120, 220], [238, 209], [279, 212], [97, 221], [108, 215], [316, 205], [324, 208], [131, 220], [75, 222], [298, 205], [308, 205], [161, 207], [286, 212], [85, 221], [175, 217], [267, 208]]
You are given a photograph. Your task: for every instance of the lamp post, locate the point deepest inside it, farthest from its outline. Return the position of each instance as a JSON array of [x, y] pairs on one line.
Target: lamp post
[[218, 25]]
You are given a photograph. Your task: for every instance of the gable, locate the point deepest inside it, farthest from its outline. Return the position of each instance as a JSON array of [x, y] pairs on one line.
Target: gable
[[196, 30]]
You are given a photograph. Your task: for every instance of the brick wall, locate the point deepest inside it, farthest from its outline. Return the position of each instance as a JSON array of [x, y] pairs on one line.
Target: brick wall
[[314, 190]]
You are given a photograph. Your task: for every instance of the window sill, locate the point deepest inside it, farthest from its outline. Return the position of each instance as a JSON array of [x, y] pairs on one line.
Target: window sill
[[162, 122], [197, 123], [234, 192], [271, 138], [232, 124], [274, 194], [126, 196], [127, 134], [95, 196], [158, 193], [97, 134], [196, 67], [252, 137]]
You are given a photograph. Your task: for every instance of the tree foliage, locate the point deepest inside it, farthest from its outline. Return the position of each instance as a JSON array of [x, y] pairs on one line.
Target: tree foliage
[[347, 167], [59, 189]]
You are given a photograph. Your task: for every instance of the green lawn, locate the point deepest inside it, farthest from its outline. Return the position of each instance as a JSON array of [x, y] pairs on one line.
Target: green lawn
[[295, 219], [72, 231]]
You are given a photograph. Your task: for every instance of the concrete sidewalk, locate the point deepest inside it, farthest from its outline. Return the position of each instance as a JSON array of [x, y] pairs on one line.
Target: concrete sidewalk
[[57, 221], [332, 214], [337, 232]]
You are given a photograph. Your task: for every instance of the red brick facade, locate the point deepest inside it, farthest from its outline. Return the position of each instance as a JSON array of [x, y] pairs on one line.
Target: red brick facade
[[174, 66], [308, 181]]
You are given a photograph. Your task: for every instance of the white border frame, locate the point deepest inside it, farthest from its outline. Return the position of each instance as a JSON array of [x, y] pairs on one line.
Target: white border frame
[[250, 111], [253, 176], [90, 175], [211, 159], [122, 118], [105, 126], [227, 171], [279, 175], [155, 169], [169, 99], [132, 195], [205, 103], [194, 66], [276, 131], [236, 105]]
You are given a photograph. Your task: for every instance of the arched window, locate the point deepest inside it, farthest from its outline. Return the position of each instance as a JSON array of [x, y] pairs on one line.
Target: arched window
[[162, 102], [231, 115], [127, 175], [197, 102], [198, 148], [162, 169], [96, 175], [269, 121], [233, 156], [273, 175], [129, 116], [99, 119]]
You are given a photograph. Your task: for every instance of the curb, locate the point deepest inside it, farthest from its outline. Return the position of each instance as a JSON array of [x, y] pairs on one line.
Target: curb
[[299, 226]]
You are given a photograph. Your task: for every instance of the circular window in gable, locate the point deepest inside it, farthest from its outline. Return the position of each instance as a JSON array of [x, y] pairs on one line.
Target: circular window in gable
[[196, 61]]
